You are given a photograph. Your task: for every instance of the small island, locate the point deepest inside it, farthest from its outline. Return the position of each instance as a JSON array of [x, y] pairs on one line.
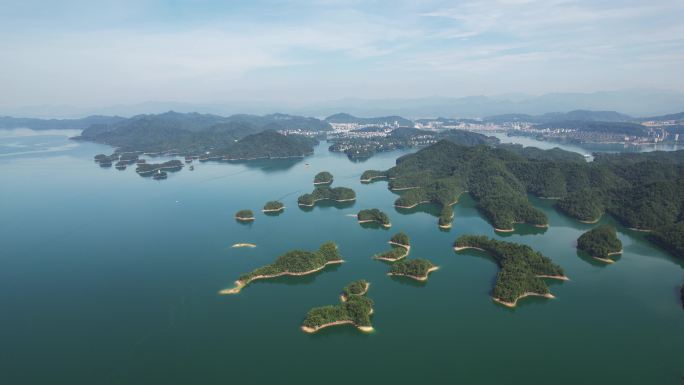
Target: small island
[[600, 243], [323, 178], [374, 215], [273, 207], [417, 269], [370, 175], [522, 269], [358, 287], [150, 168], [244, 215], [400, 248], [337, 194], [295, 262], [355, 310]]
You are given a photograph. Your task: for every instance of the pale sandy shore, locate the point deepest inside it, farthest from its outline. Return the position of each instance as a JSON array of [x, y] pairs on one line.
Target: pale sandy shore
[[407, 247], [387, 226], [273, 210], [608, 260], [237, 245], [372, 178], [380, 258], [447, 226], [528, 294], [457, 248], [404, 188], [412, 206], [327, 199], [240, 284], [417, 278], [244, 219], [590, 222], [641, 230], [320, 183], [558, 277], [504, 230], [365, 329]]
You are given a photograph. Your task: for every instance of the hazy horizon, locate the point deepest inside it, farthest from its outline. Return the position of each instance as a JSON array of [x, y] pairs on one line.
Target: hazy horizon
[[94, 55]]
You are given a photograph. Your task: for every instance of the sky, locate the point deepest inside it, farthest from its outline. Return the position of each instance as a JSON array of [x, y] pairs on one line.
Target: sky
[[97, 53]]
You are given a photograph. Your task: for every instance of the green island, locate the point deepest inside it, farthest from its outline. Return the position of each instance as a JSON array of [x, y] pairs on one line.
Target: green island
[[600, 243], [522, 269], [150, 168], [643, 191], [400, 248], [273, 207], [337, 194], [358, 287], [244, 215], [294, 262], [374, 215], [354, 309], [370, 175], [418, 268], [323, 177]]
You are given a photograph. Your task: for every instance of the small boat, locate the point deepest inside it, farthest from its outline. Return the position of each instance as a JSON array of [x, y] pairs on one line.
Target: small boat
[[192, 168], [159, 175]]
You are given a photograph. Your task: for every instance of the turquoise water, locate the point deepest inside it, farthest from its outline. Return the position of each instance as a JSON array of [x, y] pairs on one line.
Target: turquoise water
[[111, 278]]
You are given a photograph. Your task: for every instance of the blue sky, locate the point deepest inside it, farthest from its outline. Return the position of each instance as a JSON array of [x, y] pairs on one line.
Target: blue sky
[[94, 53]]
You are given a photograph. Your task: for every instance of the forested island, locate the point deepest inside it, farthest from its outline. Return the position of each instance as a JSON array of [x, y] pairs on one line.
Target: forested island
[[522, 269], [323, 177], [400, 248], [418, 268], [273, 207], [295, 262], [374, 215], [244, 215], [211, 137], [150, 168], [358, 287], [337, 194], [600, 243], [370, 175], [355, 309], [644, 191]]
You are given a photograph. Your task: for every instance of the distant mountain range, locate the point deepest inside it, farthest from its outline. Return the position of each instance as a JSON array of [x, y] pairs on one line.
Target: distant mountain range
[[635, 102]]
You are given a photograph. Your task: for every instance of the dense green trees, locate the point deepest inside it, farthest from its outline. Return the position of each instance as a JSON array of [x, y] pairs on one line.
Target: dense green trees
[[600, 242], [339, 194], [670, 237], [521, 267], [369, 175], [296, 262], [323, 177], [355, 308], [418, 268], [273, 206], [357, 287], [373, 215], [394, 254], [244, 215], [642, 190], [149, 168], [400, 238]]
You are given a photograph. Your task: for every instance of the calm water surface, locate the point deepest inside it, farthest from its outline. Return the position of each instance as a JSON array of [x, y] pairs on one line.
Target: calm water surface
[[110, 278]]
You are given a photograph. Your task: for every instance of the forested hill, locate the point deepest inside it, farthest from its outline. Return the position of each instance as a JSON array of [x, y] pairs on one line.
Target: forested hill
[[382, 120], [643, 191], [8, 122], [194, 133]]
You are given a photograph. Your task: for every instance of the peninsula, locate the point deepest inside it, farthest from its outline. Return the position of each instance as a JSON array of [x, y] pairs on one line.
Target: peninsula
[[354, 309], [600, 243], [273, 207], [522, 269], [417, 269], [359, 287], [374, 215], [244, 215], [295, 262], [370, 175], [323, 178], [399, 250]]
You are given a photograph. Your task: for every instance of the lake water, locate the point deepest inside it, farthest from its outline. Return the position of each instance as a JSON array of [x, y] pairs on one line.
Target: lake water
[[111, 278]]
